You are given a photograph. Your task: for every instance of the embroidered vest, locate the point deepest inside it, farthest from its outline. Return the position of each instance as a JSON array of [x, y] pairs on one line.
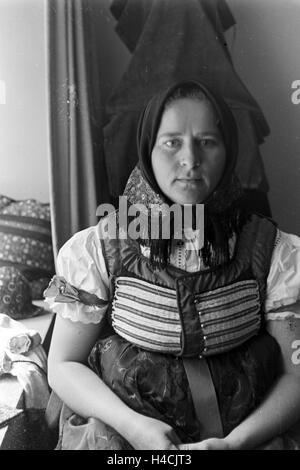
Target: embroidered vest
[[190, 314]]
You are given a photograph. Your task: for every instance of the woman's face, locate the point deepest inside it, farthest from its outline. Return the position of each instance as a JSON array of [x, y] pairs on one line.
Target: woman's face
[[188, 158]]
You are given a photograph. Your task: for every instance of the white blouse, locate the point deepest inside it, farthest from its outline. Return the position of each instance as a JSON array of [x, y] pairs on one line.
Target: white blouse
[[80, 261]]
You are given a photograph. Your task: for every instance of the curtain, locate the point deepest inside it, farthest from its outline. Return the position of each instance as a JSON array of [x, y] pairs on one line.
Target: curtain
[[77, 168]]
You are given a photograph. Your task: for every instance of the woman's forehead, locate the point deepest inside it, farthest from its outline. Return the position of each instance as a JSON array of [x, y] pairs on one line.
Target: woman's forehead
[[186, 113]]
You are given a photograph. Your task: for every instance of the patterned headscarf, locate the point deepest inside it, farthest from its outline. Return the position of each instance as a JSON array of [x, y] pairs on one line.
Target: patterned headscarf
[[222, 216]]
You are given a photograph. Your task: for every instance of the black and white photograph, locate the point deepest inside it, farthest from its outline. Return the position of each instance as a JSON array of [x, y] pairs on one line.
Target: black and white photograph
[[150, 227]]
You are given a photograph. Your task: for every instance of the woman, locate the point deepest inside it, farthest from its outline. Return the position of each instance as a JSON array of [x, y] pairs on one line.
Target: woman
[[187, 362]]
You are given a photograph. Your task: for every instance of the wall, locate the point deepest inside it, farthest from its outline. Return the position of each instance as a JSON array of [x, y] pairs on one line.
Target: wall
[[266, 54], [23, 119]]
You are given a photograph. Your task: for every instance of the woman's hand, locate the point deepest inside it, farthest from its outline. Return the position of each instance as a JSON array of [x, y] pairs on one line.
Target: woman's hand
[[207, 444], [146, 433]]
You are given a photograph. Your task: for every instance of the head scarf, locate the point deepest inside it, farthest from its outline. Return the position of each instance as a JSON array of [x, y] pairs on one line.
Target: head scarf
[[223, 217], [150, 121]]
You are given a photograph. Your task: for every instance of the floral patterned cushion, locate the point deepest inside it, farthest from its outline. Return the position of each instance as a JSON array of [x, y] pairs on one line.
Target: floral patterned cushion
[[25, 241], [15, 295]]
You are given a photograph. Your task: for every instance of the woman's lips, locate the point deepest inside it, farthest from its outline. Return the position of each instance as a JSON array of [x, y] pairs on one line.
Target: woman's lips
[[191, 183], [189, 179]]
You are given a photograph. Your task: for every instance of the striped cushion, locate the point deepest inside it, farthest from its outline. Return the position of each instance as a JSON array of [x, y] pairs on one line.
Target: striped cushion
[[146, 315], [26, 242], [229, 315], [25, 237]]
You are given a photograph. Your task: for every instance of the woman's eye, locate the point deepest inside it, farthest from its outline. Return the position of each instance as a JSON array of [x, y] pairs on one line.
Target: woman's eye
[[207, 142], [172, 143]]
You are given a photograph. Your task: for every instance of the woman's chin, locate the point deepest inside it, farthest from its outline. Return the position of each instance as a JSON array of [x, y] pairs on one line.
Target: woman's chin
[[188, 198], [189, 193]]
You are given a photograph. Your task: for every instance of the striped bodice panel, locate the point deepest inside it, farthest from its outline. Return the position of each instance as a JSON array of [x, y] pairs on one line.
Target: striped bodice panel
[[148, 316], [229, 315]]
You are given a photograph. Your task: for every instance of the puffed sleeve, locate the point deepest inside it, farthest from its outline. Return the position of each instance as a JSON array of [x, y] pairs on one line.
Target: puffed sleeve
[[283, 283], [81, 266]]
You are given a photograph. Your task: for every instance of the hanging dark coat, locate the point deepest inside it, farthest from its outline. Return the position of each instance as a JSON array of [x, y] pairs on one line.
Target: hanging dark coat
[[174, 40]]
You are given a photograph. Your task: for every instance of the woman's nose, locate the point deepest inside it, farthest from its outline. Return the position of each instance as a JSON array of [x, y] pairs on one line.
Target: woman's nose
[[191, 156]]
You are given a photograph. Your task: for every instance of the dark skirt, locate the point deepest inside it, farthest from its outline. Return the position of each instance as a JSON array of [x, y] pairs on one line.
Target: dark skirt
[[156, 384]]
